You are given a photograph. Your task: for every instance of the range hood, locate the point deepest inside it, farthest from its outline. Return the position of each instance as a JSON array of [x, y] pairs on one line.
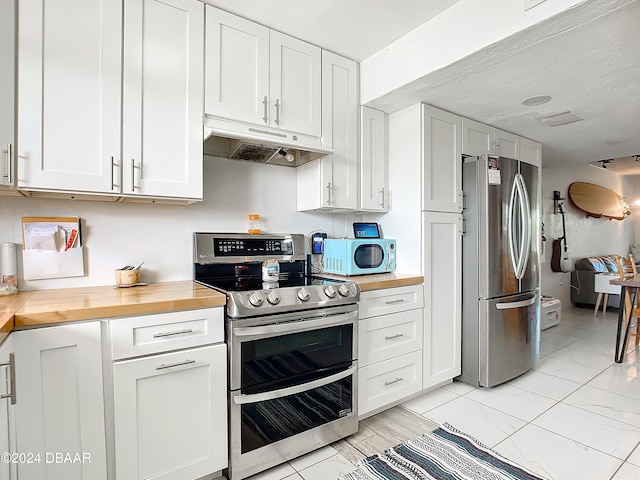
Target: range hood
[[240, 141]]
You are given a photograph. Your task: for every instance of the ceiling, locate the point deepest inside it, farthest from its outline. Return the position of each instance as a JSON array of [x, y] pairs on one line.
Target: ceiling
[[586, 58]]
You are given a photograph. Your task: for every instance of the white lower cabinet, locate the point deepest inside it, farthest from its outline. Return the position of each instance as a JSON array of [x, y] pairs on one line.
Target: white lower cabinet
[[59, 413], [389, 347], [7, 401], [442, 243], [170, 405]]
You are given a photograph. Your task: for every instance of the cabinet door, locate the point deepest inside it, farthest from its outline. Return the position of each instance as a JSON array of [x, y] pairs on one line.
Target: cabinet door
[[442, 160], [7, 92], [237, 68], [7, 470], [443, 296], [163, 82], [171, 415], [477, 138], [507, 144], [60, 405], [530, 152], [69, 65], [374, 166], [295, 85]]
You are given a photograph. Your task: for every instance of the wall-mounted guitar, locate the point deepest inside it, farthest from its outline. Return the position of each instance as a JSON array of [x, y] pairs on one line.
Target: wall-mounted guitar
[[560, 261]]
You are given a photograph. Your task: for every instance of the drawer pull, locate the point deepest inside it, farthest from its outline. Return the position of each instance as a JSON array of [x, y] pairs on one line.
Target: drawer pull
[[398, 379], [394, 302], [162, 366], [397, 335], [178, 332]]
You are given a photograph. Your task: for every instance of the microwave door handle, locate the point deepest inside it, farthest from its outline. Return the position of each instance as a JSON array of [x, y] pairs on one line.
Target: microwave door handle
[[296, 389], [388, 256]]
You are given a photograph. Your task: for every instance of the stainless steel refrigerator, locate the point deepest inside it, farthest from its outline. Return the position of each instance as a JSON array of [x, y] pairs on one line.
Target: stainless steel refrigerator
[[500, 280]]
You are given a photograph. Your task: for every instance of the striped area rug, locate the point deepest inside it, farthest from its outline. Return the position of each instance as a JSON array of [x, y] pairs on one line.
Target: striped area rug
[[444, 454]]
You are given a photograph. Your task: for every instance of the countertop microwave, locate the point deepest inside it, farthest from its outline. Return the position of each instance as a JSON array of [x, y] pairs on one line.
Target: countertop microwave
[[359, 256]]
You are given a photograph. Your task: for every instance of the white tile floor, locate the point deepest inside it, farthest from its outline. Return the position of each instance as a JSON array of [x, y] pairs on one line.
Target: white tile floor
[[575, 416]]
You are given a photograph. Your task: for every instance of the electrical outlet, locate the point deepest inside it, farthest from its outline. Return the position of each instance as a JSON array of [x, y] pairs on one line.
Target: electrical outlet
[[531, 3]]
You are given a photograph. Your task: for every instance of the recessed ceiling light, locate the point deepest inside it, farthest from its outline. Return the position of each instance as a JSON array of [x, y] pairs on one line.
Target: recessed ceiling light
[[539, 100]]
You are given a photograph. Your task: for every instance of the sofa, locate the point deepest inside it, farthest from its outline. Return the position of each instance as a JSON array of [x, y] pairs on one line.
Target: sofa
[[582, 280]]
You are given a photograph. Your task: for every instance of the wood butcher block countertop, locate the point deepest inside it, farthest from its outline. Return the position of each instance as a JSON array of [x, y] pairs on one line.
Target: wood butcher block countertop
[[40, 307], [379, 280]]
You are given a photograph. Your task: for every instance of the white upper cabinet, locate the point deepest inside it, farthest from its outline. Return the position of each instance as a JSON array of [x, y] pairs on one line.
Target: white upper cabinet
[[69, 64], [530, 152], [331, 182], [7, 92], [374, 163], [237, 68], [442, 160], [260, 76], [295, 85], [70, 95], [478, 139], [163, 83]]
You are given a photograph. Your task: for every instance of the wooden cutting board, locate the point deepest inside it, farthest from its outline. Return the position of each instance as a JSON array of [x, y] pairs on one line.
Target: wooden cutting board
[[596, 201]]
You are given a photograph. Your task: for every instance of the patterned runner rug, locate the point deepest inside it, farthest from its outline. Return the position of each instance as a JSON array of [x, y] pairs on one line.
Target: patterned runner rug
[[444, 454]]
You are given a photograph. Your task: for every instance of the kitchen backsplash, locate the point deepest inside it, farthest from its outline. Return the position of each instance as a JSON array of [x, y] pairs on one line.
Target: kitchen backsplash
[[117, 234]]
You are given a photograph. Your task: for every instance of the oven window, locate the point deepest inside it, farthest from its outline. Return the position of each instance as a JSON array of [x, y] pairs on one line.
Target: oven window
[[267, 422], [286, 360], [368, 256]]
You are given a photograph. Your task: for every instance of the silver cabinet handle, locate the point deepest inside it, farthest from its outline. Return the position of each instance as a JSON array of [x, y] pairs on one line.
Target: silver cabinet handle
[[113, 165], [9, 174], [12, 381], [265, 103], [133, 175], [177, 332], [394, 302], [277, 111], [285, 392], [398, 379], [382, 197], [329, 193], [162, 366], [397, 335]]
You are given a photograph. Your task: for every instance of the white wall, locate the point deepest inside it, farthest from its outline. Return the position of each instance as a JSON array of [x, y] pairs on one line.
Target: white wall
[[117, 234], [587, 236]]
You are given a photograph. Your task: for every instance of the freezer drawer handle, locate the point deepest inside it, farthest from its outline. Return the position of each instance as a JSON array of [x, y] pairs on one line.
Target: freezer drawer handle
[[398, 379], [522, 303]]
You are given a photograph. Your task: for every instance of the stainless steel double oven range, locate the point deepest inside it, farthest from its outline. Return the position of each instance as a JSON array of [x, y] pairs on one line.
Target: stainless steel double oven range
[[292, 348]]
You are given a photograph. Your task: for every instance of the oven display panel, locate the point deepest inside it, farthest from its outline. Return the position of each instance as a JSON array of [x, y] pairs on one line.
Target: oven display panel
[[232, 247]]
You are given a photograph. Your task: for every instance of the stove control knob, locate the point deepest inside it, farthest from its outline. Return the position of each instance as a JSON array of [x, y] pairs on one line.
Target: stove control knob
[[273, 298], [330, 291], [344, 290], [303, 294], [256, 299]]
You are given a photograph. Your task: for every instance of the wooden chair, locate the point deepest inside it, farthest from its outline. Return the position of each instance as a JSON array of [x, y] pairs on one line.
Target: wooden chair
[[627, 269]]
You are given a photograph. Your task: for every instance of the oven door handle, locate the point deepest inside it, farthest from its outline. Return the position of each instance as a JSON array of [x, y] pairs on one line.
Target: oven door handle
[[296, 326], [284, 392]]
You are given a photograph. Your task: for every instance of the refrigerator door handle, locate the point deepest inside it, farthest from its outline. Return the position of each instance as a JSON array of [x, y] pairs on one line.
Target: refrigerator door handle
[[512, 252], [526, 215], [522, 224], [520, 304]]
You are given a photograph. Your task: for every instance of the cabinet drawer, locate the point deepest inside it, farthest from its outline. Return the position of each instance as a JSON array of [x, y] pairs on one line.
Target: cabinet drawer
[[386, 382], [390, 300], [388, 336], [144, 335]]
